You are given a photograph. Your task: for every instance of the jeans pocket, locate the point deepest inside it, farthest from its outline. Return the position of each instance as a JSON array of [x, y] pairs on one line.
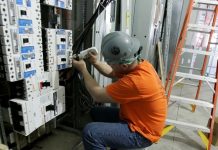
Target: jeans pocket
[[142, 141]]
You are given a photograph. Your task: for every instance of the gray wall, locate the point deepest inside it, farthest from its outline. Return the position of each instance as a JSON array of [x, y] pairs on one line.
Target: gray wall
[[178, 15], [143, 26]]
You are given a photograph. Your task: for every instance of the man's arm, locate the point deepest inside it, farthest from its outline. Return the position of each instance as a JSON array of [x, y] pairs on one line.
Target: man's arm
[[98, 93], [102, 67]]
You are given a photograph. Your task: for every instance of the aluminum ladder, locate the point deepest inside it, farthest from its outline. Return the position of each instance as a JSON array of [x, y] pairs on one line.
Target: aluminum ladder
[[180, 76]]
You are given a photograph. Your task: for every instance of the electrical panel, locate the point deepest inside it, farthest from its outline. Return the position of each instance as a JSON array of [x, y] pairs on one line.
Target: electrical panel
[[21, 39], [58, 49], [31, 56]]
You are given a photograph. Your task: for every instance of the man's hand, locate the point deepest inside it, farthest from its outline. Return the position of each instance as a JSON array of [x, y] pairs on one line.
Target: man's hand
[[80, 65], [93, 58]]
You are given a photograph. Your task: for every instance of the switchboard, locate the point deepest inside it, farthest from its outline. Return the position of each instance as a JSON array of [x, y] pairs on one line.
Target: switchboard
[[31, 57]]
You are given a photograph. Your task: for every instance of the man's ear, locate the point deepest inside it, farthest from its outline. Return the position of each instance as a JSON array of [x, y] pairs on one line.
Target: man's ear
[[124, 66]]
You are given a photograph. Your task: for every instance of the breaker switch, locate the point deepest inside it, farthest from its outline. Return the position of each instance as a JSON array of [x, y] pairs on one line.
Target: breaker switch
[[63, 59], [28, 66], [63, 40], [44, 84], [50, 108], [23, 12], [26, 40]]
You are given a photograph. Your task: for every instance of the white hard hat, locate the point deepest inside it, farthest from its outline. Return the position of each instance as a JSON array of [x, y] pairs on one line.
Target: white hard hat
[[119, 48]]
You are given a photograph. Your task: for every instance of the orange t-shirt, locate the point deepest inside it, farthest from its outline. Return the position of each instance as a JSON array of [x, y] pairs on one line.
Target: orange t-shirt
[[142, 99]]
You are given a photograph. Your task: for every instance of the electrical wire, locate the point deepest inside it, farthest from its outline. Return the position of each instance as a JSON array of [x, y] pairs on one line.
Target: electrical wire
[[85, 99], [78, 42]]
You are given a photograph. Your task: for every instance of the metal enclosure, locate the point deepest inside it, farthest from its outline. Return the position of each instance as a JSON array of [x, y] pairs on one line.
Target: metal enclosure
[[144, 26], [35, 48]]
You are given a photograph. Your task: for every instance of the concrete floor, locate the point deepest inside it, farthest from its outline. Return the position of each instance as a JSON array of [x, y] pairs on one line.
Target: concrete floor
[[177, 139]]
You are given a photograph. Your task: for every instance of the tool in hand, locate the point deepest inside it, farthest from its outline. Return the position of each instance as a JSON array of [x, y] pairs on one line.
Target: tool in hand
[[85, 53]]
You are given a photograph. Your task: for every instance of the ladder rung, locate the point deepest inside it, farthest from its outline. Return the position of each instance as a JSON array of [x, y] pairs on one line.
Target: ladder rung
[[203, 27], [205, 32], [202, 9], [197, 51], [190, 101], [189, 84], [215, 43], [187, 125], [191, 68], [196, 77], [210, 2]]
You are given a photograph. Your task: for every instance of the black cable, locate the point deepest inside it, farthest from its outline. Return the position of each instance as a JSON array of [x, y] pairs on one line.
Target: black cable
[[78, 42], [86, 99]]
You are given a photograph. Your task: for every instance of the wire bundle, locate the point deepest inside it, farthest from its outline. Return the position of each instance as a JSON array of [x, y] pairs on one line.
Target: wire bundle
[[78, 42]]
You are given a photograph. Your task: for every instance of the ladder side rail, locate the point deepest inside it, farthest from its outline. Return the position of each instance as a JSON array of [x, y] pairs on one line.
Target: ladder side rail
[[206, 57], [179, 47], [213, 111], [184, 30]]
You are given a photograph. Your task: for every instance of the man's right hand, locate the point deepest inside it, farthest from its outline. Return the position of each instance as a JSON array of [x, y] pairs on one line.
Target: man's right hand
[[93, 58]]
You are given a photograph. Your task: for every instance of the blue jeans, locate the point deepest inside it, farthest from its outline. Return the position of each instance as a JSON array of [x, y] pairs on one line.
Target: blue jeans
[[110, 131]]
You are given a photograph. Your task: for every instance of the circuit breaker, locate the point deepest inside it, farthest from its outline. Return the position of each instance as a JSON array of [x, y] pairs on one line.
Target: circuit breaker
[[31, 57], [29, 115], [58, 49], [53, 103]]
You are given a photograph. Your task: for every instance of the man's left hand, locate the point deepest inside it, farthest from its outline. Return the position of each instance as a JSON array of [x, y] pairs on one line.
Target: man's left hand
[[80, 65]]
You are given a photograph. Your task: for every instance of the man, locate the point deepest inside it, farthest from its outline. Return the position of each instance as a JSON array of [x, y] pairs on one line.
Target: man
[[143, 105]]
